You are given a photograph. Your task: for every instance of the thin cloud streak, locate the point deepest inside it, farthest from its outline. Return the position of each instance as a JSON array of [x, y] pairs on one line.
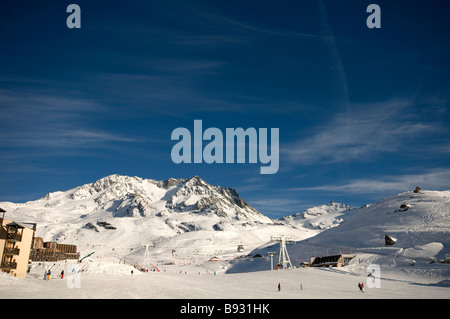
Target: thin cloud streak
[[336, 58], [374, 129], [45, 120], [437, 179], [64, 138]]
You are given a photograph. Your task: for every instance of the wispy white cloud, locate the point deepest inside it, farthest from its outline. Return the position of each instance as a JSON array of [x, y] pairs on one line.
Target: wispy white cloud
[[272, 31], [23, 106], [432, 179], [338, 66], [32, 119], [78, 138], [180, 65], [97, 136], [370, 130], [63, 137], [175, 96]]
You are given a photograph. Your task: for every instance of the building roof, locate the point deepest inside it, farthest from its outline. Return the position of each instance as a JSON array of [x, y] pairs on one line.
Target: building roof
[[326, 259], [14, 224]]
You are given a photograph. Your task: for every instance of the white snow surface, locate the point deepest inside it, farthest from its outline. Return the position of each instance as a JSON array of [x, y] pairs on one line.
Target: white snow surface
[[193, 229], [107, 279], [320, 217]]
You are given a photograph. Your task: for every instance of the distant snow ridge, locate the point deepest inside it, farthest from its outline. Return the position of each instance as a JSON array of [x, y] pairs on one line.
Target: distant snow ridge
[[319, 217]]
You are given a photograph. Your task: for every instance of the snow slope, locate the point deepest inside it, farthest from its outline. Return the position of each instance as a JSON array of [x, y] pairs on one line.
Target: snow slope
[[319, 217], [422, 233]]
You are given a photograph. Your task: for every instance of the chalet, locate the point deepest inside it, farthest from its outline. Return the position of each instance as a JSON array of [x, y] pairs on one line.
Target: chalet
[[331, 261]]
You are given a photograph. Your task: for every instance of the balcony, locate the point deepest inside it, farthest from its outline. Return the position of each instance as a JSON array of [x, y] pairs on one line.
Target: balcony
[[8, 265], [11, 251], [14, 236]]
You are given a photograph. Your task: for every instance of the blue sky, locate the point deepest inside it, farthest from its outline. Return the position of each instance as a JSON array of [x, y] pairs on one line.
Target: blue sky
[[362, 113]]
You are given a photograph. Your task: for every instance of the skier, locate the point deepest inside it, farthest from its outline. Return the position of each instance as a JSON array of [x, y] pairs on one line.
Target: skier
[[48, 274], [279, 286], [62, 274], [361, 286]]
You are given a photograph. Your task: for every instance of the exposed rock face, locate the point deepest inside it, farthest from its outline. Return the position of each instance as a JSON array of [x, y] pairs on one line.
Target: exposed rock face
[[157, 208]]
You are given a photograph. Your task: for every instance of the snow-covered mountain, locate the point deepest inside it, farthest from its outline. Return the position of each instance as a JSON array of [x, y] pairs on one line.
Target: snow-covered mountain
[[120, 213], [189, 219], [419, 223]]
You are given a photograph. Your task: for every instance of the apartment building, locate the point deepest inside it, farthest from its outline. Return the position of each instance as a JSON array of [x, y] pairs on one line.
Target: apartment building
[[15, 246], [52, 251]]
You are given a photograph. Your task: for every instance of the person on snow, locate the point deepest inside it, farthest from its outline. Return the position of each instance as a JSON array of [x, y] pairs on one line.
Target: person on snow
[[361, 286], [62, 274], [279, 286]]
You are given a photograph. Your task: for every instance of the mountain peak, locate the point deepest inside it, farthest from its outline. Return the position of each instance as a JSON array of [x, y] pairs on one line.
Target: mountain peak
[[111, 180], [158, 208]]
